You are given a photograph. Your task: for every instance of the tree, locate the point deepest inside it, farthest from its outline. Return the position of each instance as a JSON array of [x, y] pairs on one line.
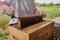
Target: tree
[[51, 4], [43, 4], [58, 4]]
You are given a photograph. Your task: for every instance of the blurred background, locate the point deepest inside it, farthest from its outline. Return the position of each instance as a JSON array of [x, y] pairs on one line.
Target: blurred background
[[50, 7]]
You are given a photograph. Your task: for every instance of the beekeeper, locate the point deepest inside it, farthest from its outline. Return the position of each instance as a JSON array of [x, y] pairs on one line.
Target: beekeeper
[[21, 8]]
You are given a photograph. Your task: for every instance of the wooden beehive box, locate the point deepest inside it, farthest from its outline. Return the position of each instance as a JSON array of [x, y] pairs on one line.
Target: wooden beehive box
[[40, 31]]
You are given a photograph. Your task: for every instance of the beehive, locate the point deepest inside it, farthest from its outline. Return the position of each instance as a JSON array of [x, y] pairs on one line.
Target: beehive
[[39, 31]]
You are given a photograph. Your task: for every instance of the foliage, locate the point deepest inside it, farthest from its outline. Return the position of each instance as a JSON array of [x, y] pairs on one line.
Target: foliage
[[51, 11], [4, 20], [49, 4], [3, 35]]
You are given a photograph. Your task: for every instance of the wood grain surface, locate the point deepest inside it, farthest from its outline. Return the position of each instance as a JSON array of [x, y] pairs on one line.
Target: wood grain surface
[[40, 31]]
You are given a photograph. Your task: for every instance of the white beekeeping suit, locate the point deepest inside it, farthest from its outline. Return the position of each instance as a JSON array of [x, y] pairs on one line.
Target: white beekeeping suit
[[31, 5], [21, 8], [24, 7]]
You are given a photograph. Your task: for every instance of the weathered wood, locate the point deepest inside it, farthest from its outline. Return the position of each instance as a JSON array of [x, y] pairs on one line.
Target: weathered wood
[[10, 37], [17, 34], [40, 31]]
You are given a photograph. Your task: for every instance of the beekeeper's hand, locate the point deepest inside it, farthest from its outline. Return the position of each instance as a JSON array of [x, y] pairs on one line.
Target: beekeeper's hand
[[44, 14], [9, 11]]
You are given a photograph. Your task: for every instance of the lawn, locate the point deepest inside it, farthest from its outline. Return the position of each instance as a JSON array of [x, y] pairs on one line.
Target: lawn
[[51, 12]]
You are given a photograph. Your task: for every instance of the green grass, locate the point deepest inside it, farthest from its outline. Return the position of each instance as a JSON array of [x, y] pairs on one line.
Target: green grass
[[52, 11]]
